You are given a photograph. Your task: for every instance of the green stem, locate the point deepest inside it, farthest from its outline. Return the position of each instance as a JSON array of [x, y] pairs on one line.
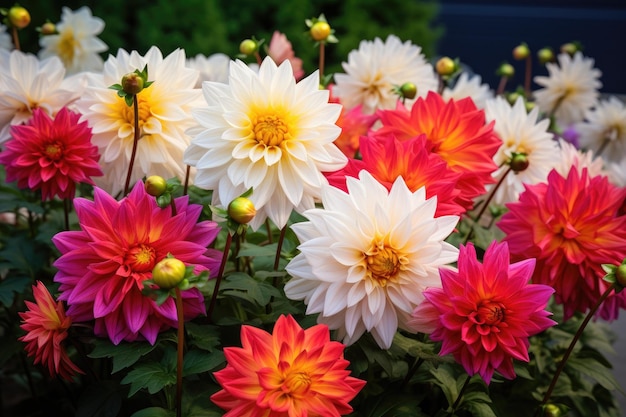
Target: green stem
[[186, 185], [570, 348], [461, 392], [269, 230], [418, 362], [502, 85], [66, 212], [135, 143], [218, 279], [180, 347], [321, 62], [279, 248], [16, 39]]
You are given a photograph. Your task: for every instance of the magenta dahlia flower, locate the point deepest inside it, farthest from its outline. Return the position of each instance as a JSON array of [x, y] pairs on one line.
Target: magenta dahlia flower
[[485, 313], [103, 266]]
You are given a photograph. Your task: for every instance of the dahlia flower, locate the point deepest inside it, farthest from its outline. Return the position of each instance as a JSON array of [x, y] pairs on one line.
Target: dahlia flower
[[485, 313], [572, 157], [570, 89], [292, 372], [76, 43], [51, 155], [571, 226], [27, 83], [366, 258], [389, 159], [464, 86], [280, 49], [354, 124], [376, 67], [456, 132], [103, 266], [6, 43], [46, 325], [211, 68], [604, 129], [521, 133], [264, 131], [164, 115]]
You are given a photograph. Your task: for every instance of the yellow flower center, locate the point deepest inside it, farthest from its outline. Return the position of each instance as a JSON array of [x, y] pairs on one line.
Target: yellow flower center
[[140, 258], [128, 112], [54, 151], [383, 263], [490, 313], [270, 130], [67, 46], [296, 383]]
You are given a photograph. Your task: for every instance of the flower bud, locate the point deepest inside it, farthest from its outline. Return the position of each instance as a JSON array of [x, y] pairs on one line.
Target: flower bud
[[519, 162], [48, 28], [168, 273], [241, 210], [132, 83], [551, 410], [445, 66], [569, 48], [408, 90], [512, 97], [248, 46], [155, 185], [529, 105], [506, 70], [19, 17], [521, 52], [620, 275], [545, 55], [320, 30]]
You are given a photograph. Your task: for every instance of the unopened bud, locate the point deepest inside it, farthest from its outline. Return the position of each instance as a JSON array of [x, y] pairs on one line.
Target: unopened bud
[[19, 17], [155, 185], [551, 410], [132, 83], [569, 48], [529, 106], [248, 46], [48, 28], [519, 162], [320, 30], [445, 66], [168, 273], [521, 52], [506, 70], [408, 90], [620, 275], [241, 210], [545, 55]]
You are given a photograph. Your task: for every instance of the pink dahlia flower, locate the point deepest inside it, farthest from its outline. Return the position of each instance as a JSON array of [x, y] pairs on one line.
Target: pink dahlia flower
[[572, 226], [280, 50], [293, 372], [51, 155], [46, 325], [485, 313], [103, 266]]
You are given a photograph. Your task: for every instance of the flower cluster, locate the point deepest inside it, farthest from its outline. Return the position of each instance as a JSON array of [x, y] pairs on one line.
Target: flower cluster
[[252, 239]]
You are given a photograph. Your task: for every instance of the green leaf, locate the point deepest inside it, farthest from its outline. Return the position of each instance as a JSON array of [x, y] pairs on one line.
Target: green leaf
[[102, 399], [204, 337], [244, 286], [10, 286], [124, 354], [154, 412], [594, 369], [248, 249], [481, 409], [151, 376], [444, 378], [23, 254], [197, 362]]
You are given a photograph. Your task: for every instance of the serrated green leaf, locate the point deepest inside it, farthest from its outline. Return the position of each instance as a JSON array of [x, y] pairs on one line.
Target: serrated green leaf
[[249, 288], [248, 249], [481, 409], [10, 286], [204, 337], [444, 378], [23, 254], [123, 355], [151, 376], [197, 361], [594, 369]]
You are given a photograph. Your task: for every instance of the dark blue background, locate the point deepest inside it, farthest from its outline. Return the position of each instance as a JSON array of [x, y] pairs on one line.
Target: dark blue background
[[483, 33]]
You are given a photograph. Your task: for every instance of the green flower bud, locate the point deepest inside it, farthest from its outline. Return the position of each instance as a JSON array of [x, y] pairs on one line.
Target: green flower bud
[[248, 46], [241, 210], [569, 48], [18, 17], [519, 162], [521, 52], [620, 275], [168, 273], [445, 66], [512, 97], [132, 83], [506, 70], [545, 55], [551, 410], [155, 185], [408, 90], [48, 28], [320, 30], [529, 106]]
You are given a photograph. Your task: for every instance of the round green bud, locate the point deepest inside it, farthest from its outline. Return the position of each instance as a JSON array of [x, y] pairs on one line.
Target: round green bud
[[445, 66], [519, 162], [320, 30], [545, 55], [408, 90], [569, 48], [529, 106], [248, 46], [551, 410], [48, 28], [132, 83], [521, 52], [18, 17], [620, 275], [168, 273], [506, 70], [241, 210], [155, 185], [512, 97]]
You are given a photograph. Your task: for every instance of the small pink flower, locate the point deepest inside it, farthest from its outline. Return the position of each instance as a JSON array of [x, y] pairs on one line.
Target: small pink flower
[[485, 313], [46, 325], [51, 155], [280, 49]]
